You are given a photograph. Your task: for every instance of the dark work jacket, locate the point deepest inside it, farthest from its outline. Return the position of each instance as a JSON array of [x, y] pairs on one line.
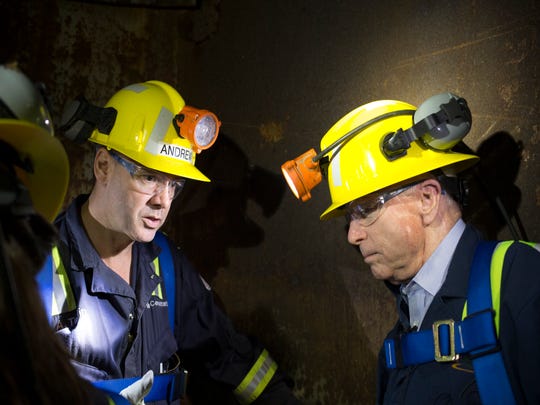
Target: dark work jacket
[[119, 331], [454, 382]]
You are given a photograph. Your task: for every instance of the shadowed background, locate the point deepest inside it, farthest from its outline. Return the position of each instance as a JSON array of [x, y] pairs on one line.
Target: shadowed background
[[279, 74]]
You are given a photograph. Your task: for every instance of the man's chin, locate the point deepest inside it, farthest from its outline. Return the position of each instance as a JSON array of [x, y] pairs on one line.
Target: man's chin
[[147, 235], [383, 276]]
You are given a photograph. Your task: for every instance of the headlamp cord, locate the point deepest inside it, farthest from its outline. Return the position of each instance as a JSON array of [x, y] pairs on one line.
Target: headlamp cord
[[341, 142], [349, 135]]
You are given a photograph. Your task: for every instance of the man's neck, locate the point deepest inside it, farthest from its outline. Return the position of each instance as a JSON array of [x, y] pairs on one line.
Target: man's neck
[[114, 248]]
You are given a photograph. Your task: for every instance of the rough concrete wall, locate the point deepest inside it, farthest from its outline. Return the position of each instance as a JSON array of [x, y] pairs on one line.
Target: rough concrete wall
[[279, 74]]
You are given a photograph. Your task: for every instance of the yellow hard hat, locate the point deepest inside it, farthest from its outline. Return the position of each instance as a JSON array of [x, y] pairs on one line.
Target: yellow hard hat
[[25, 124], [364, 163], [149, 123], [144, 130]]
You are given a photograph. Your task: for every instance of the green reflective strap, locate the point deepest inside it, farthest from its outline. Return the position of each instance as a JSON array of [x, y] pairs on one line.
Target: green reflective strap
[[158, 292], [497, 261], [63, 299], [257, 379]]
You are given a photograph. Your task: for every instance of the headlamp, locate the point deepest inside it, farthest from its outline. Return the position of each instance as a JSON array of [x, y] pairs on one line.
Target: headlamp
[[302, 174], [200, 127]]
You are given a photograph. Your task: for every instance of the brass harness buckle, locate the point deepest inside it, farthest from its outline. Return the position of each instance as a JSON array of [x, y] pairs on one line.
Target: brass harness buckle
[[452, 356]]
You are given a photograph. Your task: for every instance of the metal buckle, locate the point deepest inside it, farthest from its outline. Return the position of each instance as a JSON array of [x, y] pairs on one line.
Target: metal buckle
[[438, 356]]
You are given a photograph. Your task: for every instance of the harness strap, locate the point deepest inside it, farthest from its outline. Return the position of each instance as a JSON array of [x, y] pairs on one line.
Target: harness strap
[[55, 288], [444, 342], [165, 387], [167, 267], [44, 281], [489, 370]]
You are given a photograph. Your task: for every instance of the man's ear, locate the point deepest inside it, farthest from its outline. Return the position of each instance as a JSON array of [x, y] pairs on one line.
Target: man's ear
[[102, 165], [430, 197]]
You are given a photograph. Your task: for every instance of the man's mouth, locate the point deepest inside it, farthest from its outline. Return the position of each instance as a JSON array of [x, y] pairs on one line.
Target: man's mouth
[[152, 222]]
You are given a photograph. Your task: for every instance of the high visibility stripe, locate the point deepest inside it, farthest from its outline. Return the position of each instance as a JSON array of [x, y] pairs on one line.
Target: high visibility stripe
[[158, 291], [256, 379], [62, 299], [497, 261]]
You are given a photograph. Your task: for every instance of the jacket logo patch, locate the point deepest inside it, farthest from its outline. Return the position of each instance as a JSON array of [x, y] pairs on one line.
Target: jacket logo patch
[[156, 303]]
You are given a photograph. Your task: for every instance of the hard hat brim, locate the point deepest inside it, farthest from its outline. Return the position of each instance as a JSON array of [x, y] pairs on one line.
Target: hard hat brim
[[49, 181], [453, 163]]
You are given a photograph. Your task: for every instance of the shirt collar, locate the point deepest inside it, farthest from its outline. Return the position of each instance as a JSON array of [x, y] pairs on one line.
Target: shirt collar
[[432, 274]]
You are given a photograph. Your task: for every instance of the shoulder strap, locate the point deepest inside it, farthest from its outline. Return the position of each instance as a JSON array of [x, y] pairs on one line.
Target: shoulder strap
[[44, 281], [490, 373], [166, 265], [54, 286]]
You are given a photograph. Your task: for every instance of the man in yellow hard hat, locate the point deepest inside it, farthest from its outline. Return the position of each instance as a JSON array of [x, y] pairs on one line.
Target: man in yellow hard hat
[[465, 334], [35, 367], [130, 300]]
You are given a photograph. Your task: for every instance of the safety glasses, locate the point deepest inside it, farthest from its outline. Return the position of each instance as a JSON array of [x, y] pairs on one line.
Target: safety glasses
[[368, 210], [148, 181]]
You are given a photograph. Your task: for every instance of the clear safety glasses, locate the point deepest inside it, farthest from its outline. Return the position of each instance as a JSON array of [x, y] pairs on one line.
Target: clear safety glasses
[[148, 181], [367, 211]]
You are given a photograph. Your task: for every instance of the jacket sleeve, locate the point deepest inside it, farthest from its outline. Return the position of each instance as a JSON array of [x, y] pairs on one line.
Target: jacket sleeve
[[208, 341]]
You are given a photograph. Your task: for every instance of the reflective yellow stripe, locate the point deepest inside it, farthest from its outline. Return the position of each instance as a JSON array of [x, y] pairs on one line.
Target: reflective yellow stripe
[[62, 299], [497, 261], [256, 380], [158, 292]]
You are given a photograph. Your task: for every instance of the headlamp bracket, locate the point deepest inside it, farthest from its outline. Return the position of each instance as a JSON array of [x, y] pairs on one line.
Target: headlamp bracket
[[80, 118], [324, 162]]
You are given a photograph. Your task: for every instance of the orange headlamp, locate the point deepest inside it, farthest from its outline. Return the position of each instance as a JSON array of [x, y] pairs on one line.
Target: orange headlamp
[[302, 174], [200, 127]]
